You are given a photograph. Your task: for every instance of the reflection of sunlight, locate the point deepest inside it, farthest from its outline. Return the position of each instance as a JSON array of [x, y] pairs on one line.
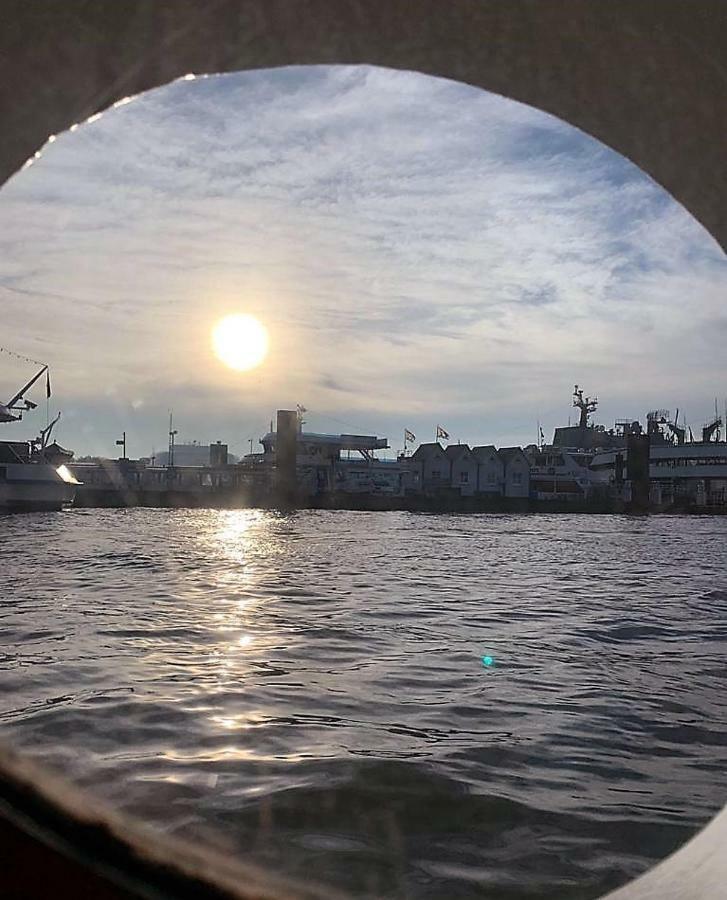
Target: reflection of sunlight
[[242, 547], [219, 754], [234, 523], [240, 722]]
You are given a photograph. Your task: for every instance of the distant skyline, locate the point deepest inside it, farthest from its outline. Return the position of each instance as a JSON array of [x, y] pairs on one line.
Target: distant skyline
[[420, 251]]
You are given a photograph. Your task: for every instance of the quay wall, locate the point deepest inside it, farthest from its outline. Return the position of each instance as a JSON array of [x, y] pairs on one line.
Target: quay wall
[[270, 499], [237, 487]]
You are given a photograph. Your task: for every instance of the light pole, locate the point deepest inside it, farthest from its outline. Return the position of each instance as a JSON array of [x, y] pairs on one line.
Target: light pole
[[172, 435]]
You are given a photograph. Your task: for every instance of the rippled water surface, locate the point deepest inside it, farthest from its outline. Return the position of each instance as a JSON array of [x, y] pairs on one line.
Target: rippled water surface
[[308, 690]]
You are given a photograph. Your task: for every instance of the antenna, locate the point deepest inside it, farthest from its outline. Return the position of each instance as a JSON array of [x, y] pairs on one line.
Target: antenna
[[717, 419], [301, 411]]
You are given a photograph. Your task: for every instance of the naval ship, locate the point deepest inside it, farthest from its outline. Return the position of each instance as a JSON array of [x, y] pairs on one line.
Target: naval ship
[[587, 457]]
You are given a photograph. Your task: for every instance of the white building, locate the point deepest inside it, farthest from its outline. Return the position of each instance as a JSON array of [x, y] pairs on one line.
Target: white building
[[433, 468], [517, 472], [462, 469], [490, 470]]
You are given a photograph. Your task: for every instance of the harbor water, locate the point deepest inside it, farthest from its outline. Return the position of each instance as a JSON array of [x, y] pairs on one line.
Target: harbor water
[[390, 704]]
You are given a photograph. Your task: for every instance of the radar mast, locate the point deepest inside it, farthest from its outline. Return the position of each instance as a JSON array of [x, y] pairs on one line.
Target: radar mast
[[586, 405]]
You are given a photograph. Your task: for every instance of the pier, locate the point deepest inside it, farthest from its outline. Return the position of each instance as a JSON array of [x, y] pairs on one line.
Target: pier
[[312, 470]]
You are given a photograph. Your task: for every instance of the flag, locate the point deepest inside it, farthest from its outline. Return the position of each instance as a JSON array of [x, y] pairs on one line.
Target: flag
[[542, 436], [441, 433], [409, 436], [47, 384]]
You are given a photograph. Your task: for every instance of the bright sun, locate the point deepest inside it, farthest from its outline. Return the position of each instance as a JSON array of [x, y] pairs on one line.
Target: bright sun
[[240, 341]]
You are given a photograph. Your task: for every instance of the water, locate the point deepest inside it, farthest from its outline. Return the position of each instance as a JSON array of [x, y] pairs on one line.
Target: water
[[308, 691]]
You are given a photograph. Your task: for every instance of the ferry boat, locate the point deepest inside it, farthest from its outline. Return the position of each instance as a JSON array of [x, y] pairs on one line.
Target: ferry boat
[[33, 474]]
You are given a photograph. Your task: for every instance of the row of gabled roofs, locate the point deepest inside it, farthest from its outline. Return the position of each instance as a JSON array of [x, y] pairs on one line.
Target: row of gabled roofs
[[453, 452]]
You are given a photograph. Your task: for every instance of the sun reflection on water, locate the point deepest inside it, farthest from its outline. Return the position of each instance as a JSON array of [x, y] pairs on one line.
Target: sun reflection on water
[[240, 591]]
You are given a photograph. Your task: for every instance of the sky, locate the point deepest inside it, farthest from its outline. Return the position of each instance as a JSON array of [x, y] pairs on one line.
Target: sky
[[421, 252]]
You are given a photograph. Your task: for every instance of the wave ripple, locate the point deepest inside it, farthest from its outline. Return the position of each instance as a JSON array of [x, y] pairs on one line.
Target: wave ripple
[[307, 690]]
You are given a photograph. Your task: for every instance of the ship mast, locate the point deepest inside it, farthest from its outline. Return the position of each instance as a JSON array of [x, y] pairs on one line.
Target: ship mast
[[586, 405]]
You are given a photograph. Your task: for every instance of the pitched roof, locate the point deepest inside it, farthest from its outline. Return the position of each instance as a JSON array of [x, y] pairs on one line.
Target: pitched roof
[[426, 451], [454, 451], [485, 451], [509, 453]]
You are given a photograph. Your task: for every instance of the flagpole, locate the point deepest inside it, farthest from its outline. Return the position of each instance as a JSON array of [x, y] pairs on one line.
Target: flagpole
[[47, 396]]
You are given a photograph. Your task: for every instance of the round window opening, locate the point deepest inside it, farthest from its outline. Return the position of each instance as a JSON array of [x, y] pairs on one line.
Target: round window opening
[[348, 582]]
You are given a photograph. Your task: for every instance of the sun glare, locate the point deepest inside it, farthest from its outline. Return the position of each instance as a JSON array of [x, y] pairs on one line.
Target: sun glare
[[240, 341]]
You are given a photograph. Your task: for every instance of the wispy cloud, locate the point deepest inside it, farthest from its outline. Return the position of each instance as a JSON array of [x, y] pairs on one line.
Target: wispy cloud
[[421, 251]]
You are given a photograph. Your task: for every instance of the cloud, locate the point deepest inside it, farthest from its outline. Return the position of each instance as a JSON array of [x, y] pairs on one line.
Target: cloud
[[419, 249]]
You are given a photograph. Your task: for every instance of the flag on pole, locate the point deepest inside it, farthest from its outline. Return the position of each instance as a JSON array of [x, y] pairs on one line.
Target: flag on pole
[[441, 433], [409, 436], [47, 384]]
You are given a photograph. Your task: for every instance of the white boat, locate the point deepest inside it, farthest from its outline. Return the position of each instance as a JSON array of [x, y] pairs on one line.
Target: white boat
[[557, 473], [33, 474]]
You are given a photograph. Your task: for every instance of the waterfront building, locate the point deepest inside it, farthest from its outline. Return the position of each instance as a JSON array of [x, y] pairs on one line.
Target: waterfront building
[[126, 479], [462, 469], [517, 472], [324, 463], [196, 454], [433, 467], [375, 476], [490, 470]]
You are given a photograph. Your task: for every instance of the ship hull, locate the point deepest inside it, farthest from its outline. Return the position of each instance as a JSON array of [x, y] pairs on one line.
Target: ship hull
[[33, 488]]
